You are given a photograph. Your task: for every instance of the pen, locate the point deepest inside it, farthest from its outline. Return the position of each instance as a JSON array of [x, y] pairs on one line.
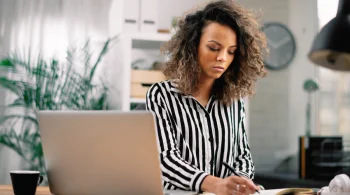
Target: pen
[[234, 172]]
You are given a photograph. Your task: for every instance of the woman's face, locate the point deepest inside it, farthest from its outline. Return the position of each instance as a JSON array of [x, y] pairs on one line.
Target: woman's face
[[216, 50]]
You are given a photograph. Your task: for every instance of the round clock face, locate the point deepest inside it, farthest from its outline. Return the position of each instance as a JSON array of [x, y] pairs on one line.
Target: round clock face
[[281, 44]]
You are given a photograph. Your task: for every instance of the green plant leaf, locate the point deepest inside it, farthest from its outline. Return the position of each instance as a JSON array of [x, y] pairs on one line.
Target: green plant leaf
[[50, 85], [7, 63], [13, 86], [19, 102], [10, 140], [21, 61], [18, 116], [102, 53]]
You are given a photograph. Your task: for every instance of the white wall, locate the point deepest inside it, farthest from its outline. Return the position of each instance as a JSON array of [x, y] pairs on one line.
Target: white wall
[[277, 112], [303, 21], [268, 111], [8, 159]]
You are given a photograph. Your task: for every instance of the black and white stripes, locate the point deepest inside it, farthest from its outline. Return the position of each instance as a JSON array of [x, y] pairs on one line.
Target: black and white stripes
[[193, 141]]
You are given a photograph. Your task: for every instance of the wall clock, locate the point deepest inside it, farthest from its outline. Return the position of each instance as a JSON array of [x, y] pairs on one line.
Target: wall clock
[[281, 44]]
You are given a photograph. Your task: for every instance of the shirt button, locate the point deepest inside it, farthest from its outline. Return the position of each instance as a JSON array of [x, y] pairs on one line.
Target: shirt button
[[210, 139], [211, 162]]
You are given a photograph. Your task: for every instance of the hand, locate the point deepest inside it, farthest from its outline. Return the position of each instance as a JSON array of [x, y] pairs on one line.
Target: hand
[[258, 187], [234, 185]]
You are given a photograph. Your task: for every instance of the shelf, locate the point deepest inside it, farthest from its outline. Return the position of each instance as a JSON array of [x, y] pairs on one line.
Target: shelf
[[159, 37], [137, 100], [133, 46]]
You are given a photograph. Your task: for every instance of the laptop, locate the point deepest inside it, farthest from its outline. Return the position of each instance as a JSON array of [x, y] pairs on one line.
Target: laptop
[[100, 152]]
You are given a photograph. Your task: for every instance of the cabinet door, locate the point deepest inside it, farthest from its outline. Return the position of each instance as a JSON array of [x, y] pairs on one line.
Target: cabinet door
[[131, 15], [149, 16]]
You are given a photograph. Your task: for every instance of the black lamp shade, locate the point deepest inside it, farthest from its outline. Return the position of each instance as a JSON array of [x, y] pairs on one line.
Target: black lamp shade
[[331, 47]]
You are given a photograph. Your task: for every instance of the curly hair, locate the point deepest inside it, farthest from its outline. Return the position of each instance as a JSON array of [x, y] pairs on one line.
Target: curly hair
[[240, 78]]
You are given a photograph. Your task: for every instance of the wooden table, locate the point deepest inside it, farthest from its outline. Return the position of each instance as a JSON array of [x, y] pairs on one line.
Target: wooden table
[[44, 190], [7, 190]]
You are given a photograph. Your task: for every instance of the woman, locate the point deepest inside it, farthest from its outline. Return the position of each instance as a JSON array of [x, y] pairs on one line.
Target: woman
[[215, 59]]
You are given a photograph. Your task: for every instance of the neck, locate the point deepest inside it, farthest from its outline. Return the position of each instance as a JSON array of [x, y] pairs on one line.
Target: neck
[[205, 87]]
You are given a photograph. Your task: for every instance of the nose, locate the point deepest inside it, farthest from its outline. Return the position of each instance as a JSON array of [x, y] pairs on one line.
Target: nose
[[222, 56]]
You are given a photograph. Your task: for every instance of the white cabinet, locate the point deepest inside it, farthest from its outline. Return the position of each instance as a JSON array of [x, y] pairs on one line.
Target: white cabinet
[[137, 46], [131, 15], [135, 15], [136, 24], [148, 16]]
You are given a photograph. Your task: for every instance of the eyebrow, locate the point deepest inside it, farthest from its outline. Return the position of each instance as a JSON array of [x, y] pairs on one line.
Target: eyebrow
[[220, 44]]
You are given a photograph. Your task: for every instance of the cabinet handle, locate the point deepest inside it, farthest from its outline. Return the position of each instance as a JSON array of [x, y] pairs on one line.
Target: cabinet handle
[[130, 21], [148, 22]]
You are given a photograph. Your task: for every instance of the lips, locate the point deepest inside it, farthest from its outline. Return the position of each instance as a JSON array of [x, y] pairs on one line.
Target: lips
[[218, 68]]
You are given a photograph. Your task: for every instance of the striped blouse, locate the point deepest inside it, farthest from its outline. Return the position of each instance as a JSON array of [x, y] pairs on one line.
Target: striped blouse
[[193, 140]]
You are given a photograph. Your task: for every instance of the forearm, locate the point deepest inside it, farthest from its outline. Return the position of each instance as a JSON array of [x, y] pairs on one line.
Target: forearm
[[244, 165], [209, 183], [180, 173], [243, 161]]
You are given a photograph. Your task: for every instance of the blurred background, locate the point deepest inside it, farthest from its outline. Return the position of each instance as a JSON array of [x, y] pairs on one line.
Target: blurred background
[[97, 55]]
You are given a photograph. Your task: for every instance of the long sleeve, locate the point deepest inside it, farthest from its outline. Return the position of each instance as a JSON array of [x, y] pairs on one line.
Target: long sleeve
[[243, 160], [175, 169]]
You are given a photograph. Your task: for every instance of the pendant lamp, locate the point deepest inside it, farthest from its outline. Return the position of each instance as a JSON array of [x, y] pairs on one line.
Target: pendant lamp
[[331, 47]]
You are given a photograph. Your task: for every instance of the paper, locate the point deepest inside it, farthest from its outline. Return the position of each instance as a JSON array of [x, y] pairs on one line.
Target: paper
[[180, 192], [339, 185]]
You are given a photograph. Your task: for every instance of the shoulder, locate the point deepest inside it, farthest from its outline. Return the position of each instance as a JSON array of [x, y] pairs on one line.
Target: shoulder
[[159, 88], [238, 105], [237, 102], [241, 102]]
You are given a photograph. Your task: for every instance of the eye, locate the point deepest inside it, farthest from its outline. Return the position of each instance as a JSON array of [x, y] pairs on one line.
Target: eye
[[231, 52], [213, 49]]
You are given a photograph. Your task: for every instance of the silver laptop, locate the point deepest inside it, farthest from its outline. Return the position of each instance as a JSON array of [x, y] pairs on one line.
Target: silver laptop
[[100, 152]]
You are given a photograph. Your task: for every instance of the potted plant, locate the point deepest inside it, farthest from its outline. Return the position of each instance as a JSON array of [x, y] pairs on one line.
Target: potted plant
[[39, 84]]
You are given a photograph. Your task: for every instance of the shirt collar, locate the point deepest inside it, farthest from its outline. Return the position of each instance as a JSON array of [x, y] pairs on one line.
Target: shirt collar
[[173, 88]]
